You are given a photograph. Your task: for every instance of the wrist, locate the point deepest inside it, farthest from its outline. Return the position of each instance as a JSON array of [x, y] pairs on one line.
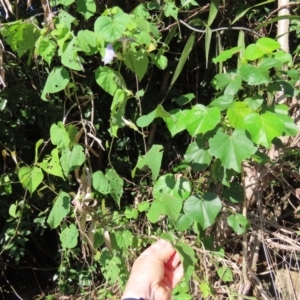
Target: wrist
[[136, 289]]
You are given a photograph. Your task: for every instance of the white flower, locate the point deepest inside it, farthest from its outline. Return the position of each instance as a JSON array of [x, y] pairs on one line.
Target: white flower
[[109, 54]]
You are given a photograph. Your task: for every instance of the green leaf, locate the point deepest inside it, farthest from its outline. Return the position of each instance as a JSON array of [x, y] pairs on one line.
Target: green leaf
[[131, 213], [225, 274], [51, 164], [64, 160], [268, 45], [137, 62], [143, 206], [72, 133], [37, 146], [264, 128], [161, 61], [21, 37], [87, 42], [59, 135], [70, 56], [223, 102], [203, 209], [284, 58], [69, 237], [238, 223], [235, 193], [253, 75], [198, 156], [13, 211], [169, 193], [109, 79], [183, 58], [111, 28], [263, 46], [221, 174], [57, 80], [188, 259], [65, 2], [65, 18], [229, 82], [254, 102], [208, 34], [206, 289], [290, 128], [101, 183], [237, 113], [268, 63], [184, 99], [77, 157], [60, 210], [30, 178], [231, 150], [152, 159], [171, 10], [121, 239], [183, 222], [176, 124], [157, 208], [241, 14], [146, 120], [116, 183], [86, 7], [46, 48], [213, 10], [201, 119], [226, 54]]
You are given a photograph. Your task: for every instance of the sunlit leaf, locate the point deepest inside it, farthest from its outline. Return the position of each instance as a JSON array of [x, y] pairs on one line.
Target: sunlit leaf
[[170, 9], [30, 178], [188, 259], [201, 119], [231, 149], [199, 157], [57, 80], [152, 159], [237, 113], [238, 223], [183, 58], [226, 54], [263, 128], [176, 123], [86, 7], [77, 157], [225, 274], [60, 210], [69, 237], [203, 209], [137, 62], [169, 193], [59, 135], [146, 120], [109, 79], [111, 28]]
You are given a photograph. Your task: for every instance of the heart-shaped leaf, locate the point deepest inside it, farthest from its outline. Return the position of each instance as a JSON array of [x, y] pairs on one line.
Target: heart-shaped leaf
[[203, 210]]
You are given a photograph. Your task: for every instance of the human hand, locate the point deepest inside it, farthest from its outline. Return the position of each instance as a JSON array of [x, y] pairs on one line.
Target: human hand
[[155, 273]]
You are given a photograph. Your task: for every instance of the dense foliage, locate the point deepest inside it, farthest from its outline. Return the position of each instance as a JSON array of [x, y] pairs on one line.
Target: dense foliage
[[126, 121]]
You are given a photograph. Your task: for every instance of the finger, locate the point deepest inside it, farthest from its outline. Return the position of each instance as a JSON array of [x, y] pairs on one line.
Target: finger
[[161, 249], [173, 261], [177, 276]]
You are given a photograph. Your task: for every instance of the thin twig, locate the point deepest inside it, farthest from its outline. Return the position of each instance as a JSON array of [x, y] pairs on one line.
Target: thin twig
[[280, 8], [221, 29]]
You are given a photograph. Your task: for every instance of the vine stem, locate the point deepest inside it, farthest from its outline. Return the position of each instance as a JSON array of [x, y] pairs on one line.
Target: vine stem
[[221, 29], [247, 283]]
